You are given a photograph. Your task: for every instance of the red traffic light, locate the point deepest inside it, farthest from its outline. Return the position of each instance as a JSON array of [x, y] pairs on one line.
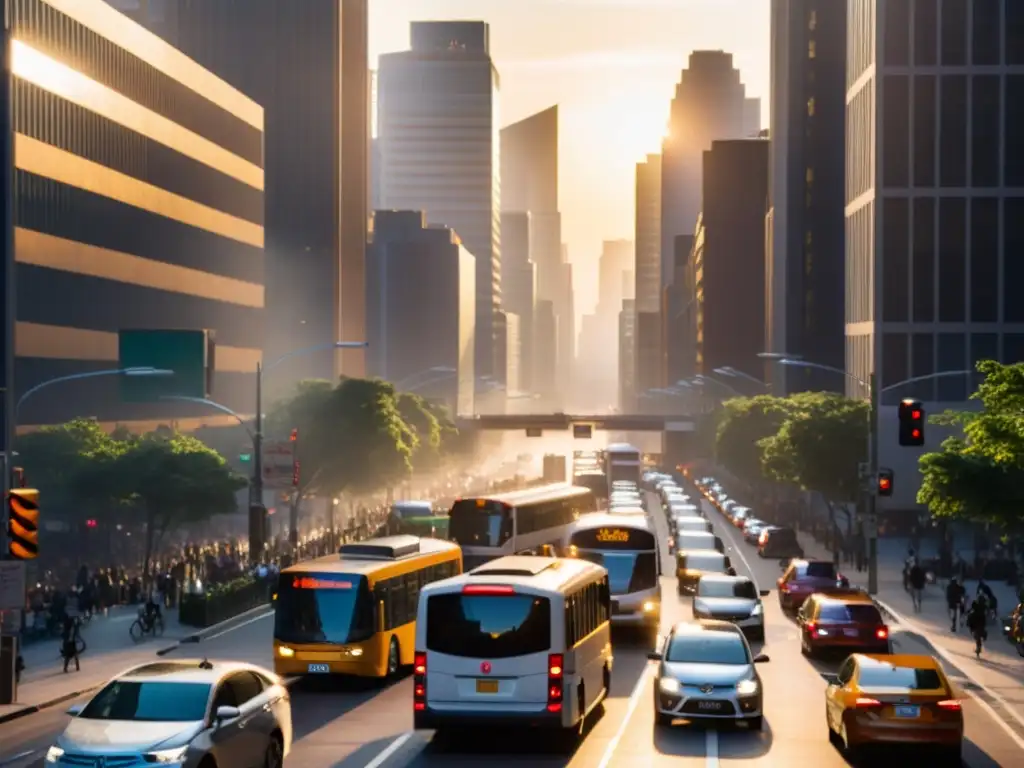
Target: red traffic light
[[915, 415], [91, 523], [915, 433], [294, 435], [884, 483]]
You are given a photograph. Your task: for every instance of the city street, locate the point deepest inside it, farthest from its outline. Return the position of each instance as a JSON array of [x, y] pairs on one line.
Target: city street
[[367, 725]]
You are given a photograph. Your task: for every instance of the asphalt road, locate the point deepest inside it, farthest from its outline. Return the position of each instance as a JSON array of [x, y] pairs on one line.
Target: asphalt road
[[365, 725]]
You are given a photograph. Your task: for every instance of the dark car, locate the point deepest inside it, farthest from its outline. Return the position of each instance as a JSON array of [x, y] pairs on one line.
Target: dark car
[[802, 578], [847, 623], [779, 542]]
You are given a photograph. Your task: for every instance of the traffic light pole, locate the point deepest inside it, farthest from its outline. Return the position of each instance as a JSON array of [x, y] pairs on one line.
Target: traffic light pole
[[257, 512], [872, 488], [7, 292]]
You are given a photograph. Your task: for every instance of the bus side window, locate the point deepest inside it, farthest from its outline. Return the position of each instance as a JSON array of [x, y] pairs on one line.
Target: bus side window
[[412, 591], [451, 569], [570, 621], [606, 601]]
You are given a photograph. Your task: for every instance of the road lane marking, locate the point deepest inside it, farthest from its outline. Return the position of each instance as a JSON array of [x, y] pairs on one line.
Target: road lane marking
[[386, 754], [947, 657], [711, 748], [253, 620], [634, 700], [18, 757]]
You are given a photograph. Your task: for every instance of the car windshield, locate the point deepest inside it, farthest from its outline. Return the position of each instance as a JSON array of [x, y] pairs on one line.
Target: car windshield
[[906, 678], [323, 608], [709, 561], [488, 626], [721, 588], [820, 570], [707, 648], [855, 613], [149, 701]]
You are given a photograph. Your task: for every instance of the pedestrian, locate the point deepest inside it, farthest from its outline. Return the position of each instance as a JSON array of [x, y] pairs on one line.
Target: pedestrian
[[955, 600], [918, 578], [70, 637]]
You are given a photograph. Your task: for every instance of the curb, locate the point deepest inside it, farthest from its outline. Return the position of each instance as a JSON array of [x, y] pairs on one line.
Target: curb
[[195, 637]]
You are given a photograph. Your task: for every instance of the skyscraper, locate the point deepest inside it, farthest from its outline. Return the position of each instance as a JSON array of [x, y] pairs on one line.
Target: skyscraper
[[439, 149], [806, 267], [518, 287], [934, 212], [306, 64], [598, 360], [647, 269]]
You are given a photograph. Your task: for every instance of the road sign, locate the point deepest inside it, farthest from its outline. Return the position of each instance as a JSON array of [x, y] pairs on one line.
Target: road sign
[[278, 464], [190, 354], [12, 585]]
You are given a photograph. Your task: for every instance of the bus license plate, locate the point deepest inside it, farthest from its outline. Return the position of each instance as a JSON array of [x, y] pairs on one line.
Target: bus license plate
[[486, 686], [908, 711], [320, 668]]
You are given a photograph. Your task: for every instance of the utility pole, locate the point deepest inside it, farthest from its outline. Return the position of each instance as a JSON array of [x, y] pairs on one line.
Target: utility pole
[[257, 512], [871, 521]]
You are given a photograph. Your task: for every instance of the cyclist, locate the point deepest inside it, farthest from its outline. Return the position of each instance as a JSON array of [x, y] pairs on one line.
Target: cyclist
[[977, 620], [956, 597], [153, 612], [985, 591]]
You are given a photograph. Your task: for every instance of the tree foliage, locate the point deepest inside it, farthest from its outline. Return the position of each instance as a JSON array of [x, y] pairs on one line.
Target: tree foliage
[[979, 475], [419, 417], [743, 423]]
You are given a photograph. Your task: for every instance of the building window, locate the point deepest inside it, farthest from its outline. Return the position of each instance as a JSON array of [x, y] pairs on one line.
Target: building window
[[1013, 348], [895, 349], [1013, 33], [985, 131], [810, 107], [1013, 264], [812, 20], [985, 260], [984, 346], [926, 27], [809, 175], [895, 259], [811, 50], [896, 128], [924, 260], [924, 131], [1013, 130], [952, 261], [954, 33], [986, 38], [897, 33], [922, 363], [952, 350], [953, 132]]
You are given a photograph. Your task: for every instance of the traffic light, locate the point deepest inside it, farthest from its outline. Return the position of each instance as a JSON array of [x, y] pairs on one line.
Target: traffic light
[[911, 423], [23, 523], [885, 479], [91, 523]]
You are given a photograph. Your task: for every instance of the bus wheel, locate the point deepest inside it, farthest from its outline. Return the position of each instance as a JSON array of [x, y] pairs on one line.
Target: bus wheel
[[394, 658]]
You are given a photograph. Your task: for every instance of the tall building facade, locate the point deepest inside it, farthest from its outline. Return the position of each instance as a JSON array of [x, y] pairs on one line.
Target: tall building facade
[[934, 208], [627, 354], [679, 316], [806, 265], [545, 369], [438, 123], [731, 311], [647, 269], [306, 64], [138, 203], [598, 360], [519, 289], [417, 272]]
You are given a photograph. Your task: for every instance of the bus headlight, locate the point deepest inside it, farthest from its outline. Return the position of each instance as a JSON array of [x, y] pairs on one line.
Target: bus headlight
[[746, 687], [285, 652], [650, 606], [669, 685], [355, 651]]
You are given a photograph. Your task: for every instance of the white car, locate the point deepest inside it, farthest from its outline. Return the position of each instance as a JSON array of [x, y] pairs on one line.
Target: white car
[[706, 671], [731, 598]]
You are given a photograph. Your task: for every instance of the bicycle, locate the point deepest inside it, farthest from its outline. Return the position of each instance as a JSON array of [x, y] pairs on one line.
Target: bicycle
[[143, 626]]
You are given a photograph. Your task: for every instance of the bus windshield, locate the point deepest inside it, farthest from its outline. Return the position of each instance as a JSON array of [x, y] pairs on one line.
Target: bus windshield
[[323, 608], [479, 523], [630, 555]]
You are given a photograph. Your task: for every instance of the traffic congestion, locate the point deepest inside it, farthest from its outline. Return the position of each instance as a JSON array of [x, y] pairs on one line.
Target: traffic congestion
[[636, 618]]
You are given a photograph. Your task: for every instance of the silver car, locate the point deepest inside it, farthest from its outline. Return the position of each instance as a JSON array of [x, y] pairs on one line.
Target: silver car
[[181, 714], [731, 598], [706, 671]]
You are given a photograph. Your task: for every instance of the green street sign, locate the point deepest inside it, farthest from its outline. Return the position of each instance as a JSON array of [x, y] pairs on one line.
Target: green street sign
[[245, 458], [190, 354]]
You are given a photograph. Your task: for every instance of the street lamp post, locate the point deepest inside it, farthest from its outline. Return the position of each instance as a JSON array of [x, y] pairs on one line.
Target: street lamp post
[[870, 524], [414, 379], [735, 373]]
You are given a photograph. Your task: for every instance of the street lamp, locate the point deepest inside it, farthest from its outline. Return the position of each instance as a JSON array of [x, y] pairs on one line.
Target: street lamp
[[405, 382], [700, 380], [137, 371], [874, 395], [734, 373]]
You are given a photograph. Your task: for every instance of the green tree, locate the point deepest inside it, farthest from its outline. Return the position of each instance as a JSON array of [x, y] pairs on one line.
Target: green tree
[[978, 475], [743, 423], [173, 480], [418, 416]]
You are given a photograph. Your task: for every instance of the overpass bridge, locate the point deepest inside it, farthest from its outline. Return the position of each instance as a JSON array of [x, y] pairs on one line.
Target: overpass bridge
[[537, 423]]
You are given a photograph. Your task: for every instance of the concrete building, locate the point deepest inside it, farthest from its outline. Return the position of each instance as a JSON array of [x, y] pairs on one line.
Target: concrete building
[[518, 286], [710, 103], [545, 344], [806, 264], [751, 117], [138, 203], [648, 353], [306, 69], [513, 354], [647, 265], [729, 257], [934, 214], [679, 316], [439, 150], [627, 354], [597, 369], [418, 272]]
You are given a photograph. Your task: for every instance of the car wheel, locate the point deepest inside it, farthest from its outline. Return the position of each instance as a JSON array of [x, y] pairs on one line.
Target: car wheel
[[274, 757], [394, 658], [755, 723]]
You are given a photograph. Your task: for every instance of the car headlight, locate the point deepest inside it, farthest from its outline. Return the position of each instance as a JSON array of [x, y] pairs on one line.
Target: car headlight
[[746, 687], [669, 685], [54, 753], [175, 755], [650, 606], [285, 652], [758, 610]]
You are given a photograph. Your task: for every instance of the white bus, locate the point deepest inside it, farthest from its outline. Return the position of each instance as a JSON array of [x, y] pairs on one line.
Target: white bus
[[627, 547], [518, 522], [623, 462], [518, 641]]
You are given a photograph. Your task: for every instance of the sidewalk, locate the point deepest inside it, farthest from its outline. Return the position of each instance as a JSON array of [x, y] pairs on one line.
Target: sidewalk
[[1000, 669], [109, 649]]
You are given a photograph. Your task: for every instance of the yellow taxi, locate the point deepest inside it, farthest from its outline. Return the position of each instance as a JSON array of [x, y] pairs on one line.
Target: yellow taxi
[[897, 699]]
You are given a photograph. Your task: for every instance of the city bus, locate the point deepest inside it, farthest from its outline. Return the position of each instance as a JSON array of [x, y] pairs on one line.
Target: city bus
[[627, 547], [417, 518], [526, 521], [623, 462], [354, 613], [519, 641]]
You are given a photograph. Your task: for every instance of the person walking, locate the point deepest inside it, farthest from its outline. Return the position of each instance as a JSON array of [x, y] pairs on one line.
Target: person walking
[[70, 638], [917, 578]]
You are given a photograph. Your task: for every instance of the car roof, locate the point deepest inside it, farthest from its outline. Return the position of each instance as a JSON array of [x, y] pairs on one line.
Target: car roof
[[844, 595], [724, 578], [803, 562], [187, 671], [689, 552], [902, 660], [706, 627]]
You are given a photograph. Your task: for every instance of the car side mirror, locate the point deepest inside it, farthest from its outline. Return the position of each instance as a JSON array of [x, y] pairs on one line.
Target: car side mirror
[[830, 678], [75, 709], [226, 713], [761, 658], [654, 656], [765, 592]]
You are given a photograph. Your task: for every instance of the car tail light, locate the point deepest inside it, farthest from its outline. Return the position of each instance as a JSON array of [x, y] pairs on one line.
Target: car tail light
[[556, 681], [882, 633], [419, 682], [863, 702], [812, 628], [488, 589], [950, 705]]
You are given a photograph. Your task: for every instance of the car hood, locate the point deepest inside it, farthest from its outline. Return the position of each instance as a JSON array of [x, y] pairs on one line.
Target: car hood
[[708, 674], [89, 736], [728, 605]]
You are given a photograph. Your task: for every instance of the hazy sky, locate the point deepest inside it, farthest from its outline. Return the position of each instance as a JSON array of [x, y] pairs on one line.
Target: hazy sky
[[612, 66]]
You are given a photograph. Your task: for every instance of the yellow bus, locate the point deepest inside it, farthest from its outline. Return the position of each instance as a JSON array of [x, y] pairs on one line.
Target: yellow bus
[[354, 613]]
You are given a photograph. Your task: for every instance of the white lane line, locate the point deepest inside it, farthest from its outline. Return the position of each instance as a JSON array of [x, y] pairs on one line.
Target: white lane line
[[389, 750], [634, 700], [711, 748], [253, 620], [15, 758], [947, 657]]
